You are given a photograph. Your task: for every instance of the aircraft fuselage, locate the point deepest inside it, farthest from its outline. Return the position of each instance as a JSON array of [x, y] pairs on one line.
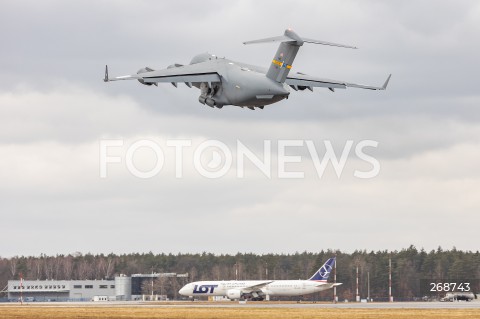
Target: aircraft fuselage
[[241, 84], [274, 288]]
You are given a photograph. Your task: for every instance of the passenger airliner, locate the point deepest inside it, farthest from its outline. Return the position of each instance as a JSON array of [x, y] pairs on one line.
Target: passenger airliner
[[258, 289]]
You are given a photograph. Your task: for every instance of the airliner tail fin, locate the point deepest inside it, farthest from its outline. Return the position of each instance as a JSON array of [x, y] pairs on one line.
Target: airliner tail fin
[[324, 272]]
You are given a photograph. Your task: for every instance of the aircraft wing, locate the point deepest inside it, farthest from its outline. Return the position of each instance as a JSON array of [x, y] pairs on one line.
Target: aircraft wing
[[299, 79], [256, 287], [193, 73]]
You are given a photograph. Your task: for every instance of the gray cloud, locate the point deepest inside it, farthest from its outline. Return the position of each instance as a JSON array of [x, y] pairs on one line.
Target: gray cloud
[[54, 109]]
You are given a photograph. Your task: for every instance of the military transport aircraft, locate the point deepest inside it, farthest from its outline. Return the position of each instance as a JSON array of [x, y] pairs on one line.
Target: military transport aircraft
[[225, 82], [258, 289]]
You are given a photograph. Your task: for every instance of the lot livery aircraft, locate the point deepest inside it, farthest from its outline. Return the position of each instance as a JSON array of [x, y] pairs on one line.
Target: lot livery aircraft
[[258, 289], [225, 82]]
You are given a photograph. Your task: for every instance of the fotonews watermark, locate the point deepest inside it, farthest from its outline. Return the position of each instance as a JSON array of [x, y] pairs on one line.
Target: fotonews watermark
[[148, 158]]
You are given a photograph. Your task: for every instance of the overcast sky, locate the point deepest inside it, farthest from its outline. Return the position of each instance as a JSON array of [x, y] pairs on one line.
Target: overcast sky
[[55, 109]]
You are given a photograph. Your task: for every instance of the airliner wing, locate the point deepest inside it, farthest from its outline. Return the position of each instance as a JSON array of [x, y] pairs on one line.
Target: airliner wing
[[256, 287], [193, 73], [297, 80]]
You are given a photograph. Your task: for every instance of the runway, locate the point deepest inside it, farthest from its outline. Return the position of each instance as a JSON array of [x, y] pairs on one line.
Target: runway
[[373, 305], [258, 305]]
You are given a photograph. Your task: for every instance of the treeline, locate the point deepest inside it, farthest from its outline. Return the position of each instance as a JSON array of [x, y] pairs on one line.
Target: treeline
[[408, 267]]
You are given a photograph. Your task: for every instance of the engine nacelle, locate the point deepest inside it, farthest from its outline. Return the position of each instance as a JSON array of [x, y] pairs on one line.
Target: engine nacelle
[[210, 102], [234, 294]]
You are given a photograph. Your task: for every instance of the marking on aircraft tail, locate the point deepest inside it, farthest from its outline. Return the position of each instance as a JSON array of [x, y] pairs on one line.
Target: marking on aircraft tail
[[324, 271], [282, 64]]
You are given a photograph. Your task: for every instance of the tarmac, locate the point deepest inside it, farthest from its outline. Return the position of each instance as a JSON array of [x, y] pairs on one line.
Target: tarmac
[[189, 304]]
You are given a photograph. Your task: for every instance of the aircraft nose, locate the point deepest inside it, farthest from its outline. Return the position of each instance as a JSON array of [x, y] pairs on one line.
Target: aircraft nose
[[183, 291]]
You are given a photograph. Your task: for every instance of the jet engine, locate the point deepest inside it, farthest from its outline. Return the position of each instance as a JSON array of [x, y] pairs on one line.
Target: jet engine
[[210, 102], [234, 294], [207, 94]]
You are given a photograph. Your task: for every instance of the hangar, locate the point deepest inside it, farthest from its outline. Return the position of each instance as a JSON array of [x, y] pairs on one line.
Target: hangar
[[120, 288]]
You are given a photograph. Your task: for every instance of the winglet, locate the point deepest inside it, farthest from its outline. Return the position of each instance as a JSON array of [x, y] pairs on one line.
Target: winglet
[[384, 87], [106, 79]]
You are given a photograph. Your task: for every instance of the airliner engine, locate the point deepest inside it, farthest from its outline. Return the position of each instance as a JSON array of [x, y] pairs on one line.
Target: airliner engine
[[234, 294]]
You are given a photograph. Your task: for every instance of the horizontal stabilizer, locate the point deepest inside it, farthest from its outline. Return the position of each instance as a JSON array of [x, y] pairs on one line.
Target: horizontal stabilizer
[[329, 285], [307, 40], [281, 38], [292, 37]]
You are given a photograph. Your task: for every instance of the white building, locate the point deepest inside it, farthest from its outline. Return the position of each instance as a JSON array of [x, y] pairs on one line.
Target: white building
[[60, 290], [121, 288]]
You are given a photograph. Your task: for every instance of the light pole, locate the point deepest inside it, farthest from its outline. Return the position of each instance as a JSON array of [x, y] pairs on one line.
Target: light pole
[[390, 297], [21, 288], [357, 296], [368, 286], [151, 298]]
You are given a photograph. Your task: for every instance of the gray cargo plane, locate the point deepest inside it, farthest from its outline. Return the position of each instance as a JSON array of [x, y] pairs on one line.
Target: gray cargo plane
[[225, 82]]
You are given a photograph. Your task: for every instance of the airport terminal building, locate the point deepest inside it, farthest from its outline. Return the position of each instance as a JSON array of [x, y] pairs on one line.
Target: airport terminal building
[[120, 288]]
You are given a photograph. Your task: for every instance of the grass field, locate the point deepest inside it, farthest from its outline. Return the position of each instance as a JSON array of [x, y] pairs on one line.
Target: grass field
[[22, 312]]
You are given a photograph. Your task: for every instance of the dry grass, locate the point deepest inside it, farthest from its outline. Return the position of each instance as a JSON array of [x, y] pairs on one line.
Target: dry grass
[[24, 312]]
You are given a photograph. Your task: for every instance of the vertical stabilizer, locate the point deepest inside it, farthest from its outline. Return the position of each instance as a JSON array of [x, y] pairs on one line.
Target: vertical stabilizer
[[286, 53], [282, 61], [324, 272]]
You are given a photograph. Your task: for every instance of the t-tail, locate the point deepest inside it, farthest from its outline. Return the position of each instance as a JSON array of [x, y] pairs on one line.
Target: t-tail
[[289, 46], [324, 272]]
